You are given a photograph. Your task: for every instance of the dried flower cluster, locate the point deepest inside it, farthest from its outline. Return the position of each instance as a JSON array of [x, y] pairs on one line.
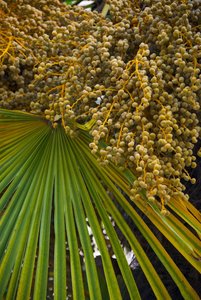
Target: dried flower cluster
[[134, 77]]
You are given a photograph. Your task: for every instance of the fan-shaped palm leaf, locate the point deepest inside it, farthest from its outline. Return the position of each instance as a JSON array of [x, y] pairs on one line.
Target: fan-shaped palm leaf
[[50, 181]]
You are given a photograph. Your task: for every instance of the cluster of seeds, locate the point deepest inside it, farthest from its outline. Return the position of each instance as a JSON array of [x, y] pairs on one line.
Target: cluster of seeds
[[134, 77]]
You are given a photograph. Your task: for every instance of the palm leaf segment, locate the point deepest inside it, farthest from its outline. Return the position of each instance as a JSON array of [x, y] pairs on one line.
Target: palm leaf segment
[[51, 182]]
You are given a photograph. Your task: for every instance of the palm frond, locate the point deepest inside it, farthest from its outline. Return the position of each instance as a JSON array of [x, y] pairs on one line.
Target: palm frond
[[51, 188]]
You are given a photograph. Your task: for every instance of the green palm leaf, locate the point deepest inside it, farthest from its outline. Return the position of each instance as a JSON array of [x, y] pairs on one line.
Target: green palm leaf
[[51, 188]]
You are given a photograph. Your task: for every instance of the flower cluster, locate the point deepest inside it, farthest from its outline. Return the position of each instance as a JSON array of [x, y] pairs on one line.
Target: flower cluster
[[134, 76]]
